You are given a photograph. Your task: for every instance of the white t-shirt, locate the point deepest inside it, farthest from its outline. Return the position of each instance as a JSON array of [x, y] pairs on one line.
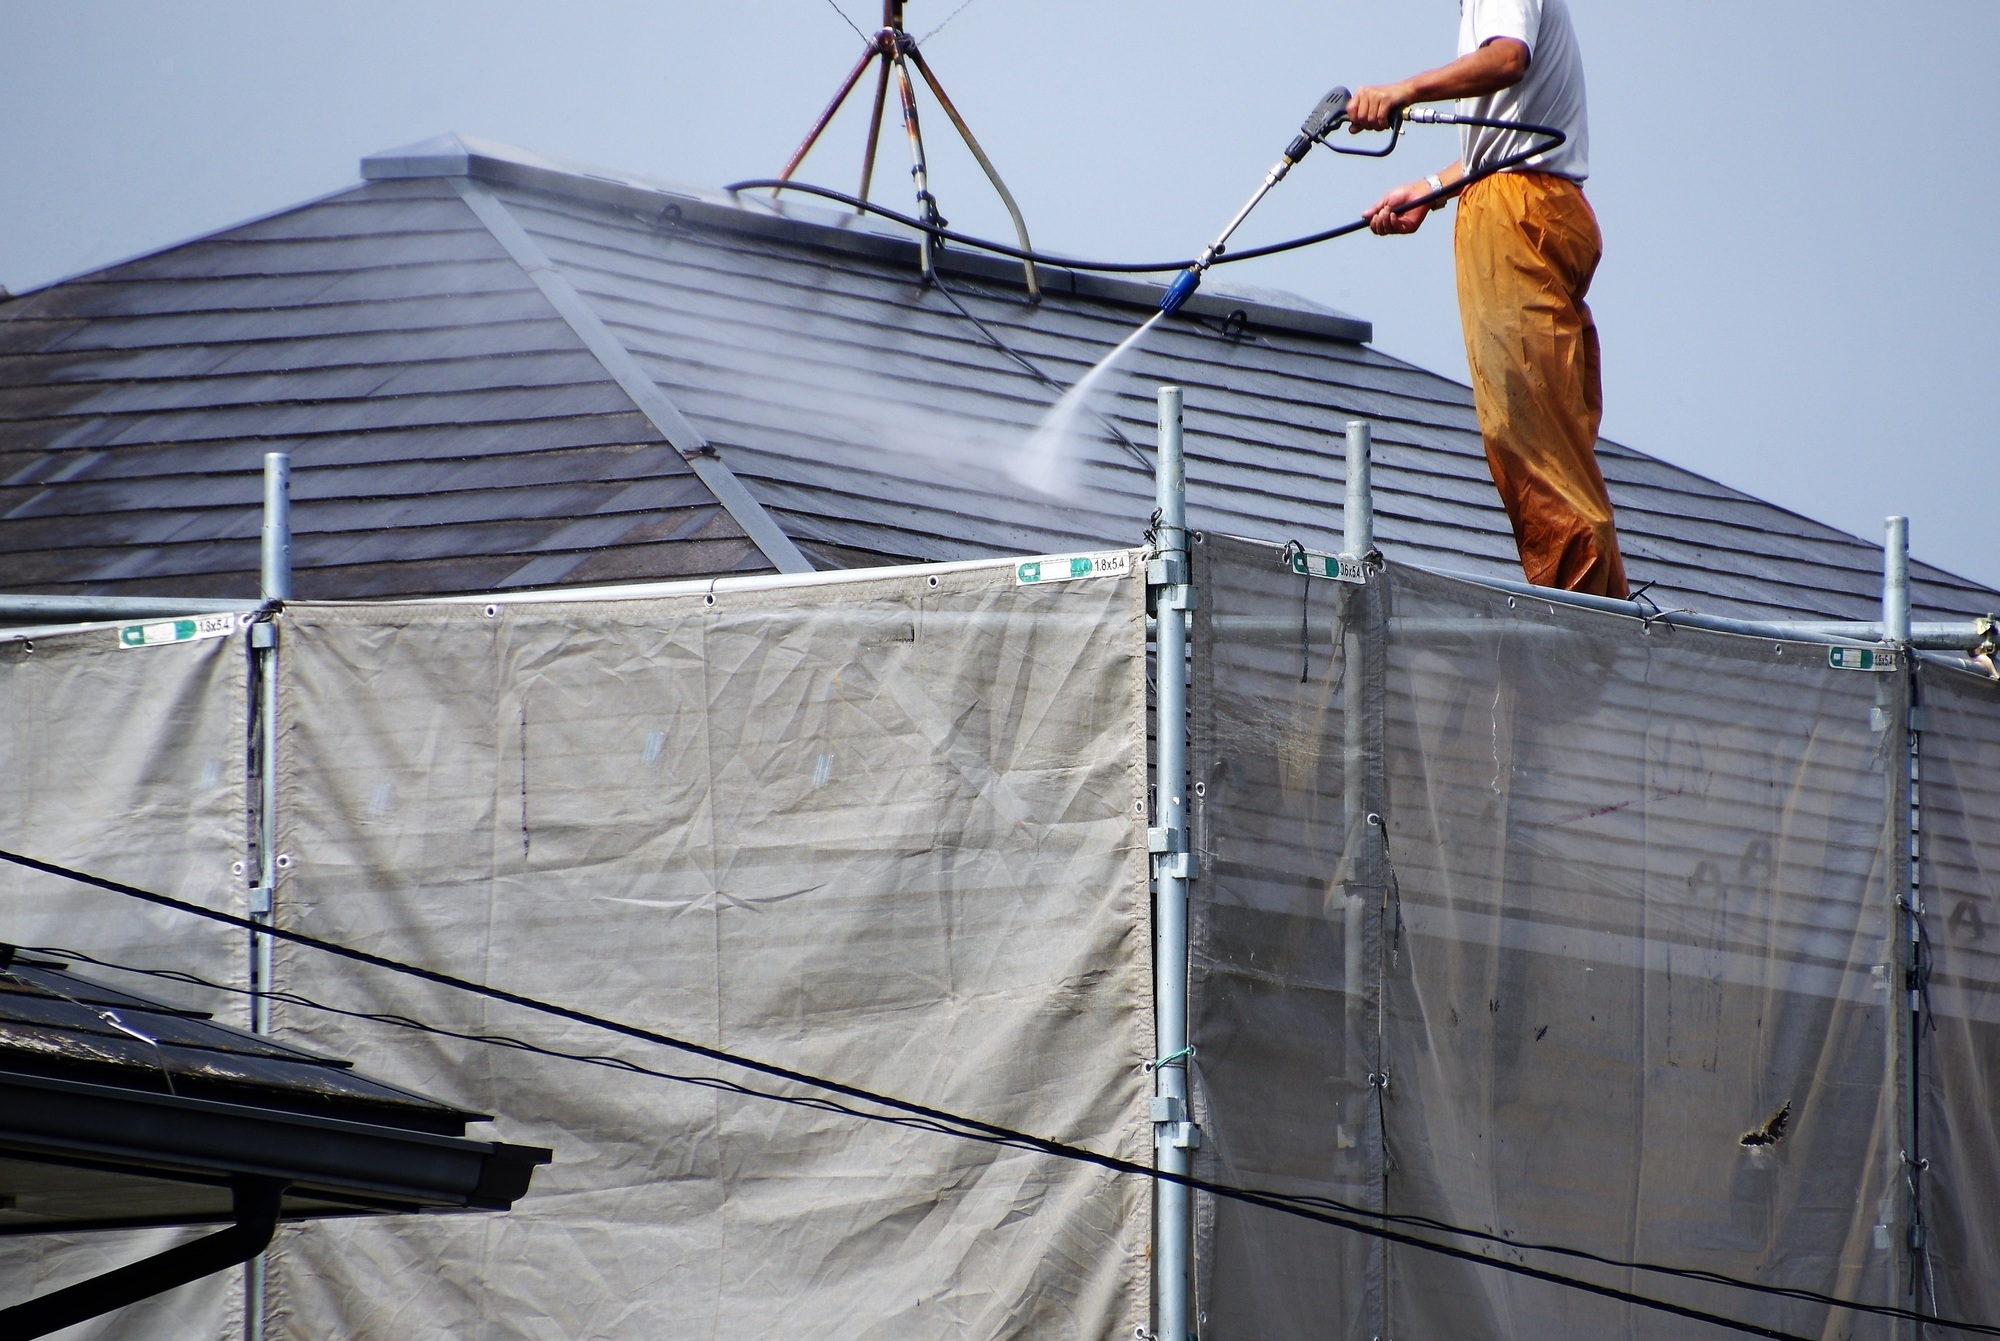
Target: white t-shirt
[[1550, 94]]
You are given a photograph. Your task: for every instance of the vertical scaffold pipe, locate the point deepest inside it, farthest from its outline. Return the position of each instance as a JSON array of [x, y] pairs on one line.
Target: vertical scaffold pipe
[[1896, 580], [277, 554], [275, 583], [1174, 1134], [1910, 1034], [1357, 517], [1357, 541]]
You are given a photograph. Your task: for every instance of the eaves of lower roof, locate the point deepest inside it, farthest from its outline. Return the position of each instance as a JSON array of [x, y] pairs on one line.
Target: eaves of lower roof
[[162, 1135]]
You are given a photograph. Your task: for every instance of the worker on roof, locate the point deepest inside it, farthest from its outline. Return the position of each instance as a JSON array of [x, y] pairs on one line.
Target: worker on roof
[[1527, 244]]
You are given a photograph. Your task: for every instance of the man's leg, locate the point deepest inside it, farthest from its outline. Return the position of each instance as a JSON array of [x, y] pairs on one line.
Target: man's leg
[[1527, 245]]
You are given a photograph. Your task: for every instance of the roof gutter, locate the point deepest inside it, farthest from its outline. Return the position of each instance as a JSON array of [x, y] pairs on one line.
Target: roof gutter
[[255, 1204], [368, 1164]]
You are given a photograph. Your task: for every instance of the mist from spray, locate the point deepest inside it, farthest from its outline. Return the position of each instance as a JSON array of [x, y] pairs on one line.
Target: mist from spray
[[1048, 462]]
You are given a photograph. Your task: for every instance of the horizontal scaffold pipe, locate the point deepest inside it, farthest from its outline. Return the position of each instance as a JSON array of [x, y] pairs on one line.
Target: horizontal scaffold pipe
[[1951, 635], [94, 609], [702, 586]]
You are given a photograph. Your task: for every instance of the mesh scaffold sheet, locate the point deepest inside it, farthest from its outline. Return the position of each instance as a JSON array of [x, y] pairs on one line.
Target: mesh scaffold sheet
[[1958, 1026], [1522, 918], [891, 832]]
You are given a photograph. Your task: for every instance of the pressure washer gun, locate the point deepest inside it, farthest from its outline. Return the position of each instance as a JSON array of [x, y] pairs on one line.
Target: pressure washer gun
[[1325, 118]]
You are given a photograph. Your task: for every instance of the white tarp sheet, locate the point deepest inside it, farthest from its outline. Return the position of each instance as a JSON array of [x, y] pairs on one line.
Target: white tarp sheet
[[126, 762], [891, 832]]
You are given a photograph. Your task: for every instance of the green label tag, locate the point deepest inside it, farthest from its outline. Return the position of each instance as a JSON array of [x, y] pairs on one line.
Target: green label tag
[[1860, 658], [1068, 567], [1339, 567], [177, 631]]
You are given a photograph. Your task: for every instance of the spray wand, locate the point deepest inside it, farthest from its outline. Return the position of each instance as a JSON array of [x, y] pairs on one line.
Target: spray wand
[[1325, 118]]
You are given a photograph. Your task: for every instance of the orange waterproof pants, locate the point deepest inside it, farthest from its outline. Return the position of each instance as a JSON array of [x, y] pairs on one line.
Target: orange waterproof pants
[[1527, 246]]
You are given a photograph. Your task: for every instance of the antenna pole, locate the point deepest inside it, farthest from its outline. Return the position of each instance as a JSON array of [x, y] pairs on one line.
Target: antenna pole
[[927, 209], [826, 118], [875, 122], [986, 165], [894, 51]]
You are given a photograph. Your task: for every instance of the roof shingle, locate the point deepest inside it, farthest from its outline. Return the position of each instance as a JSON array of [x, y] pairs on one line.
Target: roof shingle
[[450, 431]]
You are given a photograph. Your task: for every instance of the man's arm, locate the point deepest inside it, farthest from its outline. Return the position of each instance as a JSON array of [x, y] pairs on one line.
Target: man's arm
[[1499, 64]]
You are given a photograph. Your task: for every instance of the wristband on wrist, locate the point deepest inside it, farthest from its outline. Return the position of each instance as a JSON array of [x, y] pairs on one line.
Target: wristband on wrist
[[1436, 183]]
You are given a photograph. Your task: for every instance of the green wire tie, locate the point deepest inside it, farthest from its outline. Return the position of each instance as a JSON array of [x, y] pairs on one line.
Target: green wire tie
[[1171, 1058]]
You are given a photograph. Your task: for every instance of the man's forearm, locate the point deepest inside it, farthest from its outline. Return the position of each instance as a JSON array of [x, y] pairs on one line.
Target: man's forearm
[[1499, 64]]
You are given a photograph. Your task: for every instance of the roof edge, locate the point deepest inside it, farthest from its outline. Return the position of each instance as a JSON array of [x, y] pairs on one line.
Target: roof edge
[[453, 155]]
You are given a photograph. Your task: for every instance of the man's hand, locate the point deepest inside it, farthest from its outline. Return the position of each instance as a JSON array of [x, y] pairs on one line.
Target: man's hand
[[1372, 108], [1382, 216]]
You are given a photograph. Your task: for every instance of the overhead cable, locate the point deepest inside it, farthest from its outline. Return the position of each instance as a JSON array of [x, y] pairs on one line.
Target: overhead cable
[[390, 1018], [850, 22], [947, 22], [917, 1124], [993, 1133]]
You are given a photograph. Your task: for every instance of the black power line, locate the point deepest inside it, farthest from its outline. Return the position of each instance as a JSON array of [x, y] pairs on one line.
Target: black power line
[[955, 1124], [913, 1123]]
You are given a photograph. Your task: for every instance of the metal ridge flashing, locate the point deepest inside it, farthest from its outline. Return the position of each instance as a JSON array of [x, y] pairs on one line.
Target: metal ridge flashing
[[645, 393], [757, 214]]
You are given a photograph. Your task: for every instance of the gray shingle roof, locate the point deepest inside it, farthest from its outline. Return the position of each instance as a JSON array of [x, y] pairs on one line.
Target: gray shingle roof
[[450, 430]]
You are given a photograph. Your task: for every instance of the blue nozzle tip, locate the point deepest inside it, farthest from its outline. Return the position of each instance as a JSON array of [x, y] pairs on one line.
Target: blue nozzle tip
[[1180, 290]]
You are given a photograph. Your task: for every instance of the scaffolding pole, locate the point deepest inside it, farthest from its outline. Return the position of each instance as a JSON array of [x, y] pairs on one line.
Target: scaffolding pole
[[275, 581], [1175, 1136], [1357, 542], [1357, 515], [1908, 1032]]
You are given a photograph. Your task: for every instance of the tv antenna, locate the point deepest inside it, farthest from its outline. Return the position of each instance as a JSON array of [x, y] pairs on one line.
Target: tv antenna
[[893, 51]]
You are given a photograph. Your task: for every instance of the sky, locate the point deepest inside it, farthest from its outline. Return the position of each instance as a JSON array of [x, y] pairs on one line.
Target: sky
[[1798, 199]]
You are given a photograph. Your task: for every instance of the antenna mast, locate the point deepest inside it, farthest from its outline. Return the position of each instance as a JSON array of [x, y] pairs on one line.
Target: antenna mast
[[893, 51]]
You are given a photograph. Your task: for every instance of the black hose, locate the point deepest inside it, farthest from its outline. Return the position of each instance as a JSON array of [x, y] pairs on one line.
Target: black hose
[[1555, 140]]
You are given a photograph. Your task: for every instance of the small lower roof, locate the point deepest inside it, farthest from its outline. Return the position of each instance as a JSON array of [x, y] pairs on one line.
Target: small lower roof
[[117, 1110]]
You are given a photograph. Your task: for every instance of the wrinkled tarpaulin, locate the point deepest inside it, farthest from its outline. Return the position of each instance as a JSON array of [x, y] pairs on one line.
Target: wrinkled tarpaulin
[[127, 762], [890, 831], [1636, 896]]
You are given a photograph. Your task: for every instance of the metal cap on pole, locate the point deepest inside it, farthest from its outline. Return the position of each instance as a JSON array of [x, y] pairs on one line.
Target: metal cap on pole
[[1170, 478], [1896, 581], [1357, 518], [277, 552]]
